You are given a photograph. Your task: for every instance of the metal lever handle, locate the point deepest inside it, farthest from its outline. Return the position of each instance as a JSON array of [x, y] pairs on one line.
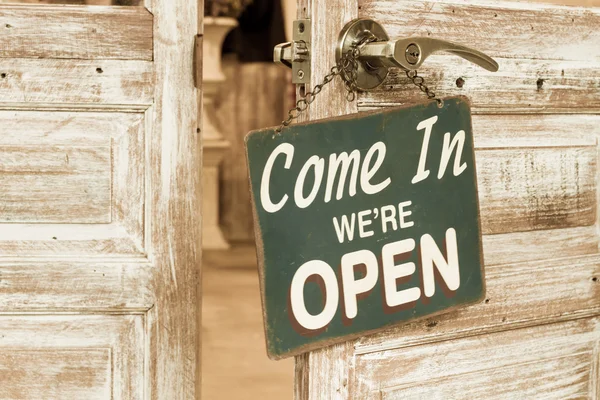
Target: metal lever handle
[[408, 53]]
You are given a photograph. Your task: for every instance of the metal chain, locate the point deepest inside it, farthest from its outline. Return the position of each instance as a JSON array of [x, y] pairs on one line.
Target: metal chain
[[419, 82], [303, 103], [347, 69]]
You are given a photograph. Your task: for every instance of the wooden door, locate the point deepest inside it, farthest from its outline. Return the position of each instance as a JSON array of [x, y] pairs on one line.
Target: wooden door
[[536, 124], [99, 202]]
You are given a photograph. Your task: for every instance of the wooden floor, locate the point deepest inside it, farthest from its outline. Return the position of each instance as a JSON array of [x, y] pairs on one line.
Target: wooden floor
[[234, 359]]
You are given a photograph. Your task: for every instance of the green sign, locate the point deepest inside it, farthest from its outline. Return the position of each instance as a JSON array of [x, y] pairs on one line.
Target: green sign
[[364, 221]]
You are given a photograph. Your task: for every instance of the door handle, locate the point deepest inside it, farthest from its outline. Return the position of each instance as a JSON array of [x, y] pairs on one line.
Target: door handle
[[378, 53], [410, 53]]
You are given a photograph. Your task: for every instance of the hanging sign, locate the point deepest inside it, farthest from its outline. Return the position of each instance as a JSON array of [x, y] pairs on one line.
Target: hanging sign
[[364, 221]]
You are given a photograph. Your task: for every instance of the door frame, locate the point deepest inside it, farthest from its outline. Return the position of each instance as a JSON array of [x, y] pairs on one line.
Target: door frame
[[174, 322]]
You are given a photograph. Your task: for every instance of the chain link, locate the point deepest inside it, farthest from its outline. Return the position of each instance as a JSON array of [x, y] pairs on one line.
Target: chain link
[[347, 69], [419, 82]]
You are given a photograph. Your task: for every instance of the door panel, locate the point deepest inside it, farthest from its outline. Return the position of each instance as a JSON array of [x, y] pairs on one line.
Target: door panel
[[72, 357], [83, 171], [89, 83], [88, 377], [524, 189], [536, 132], [538, 245], [73, 32], [528, 30], [514, 88], [548, 361], [99, 217], [85, 175], [102, 286], [517, 295]]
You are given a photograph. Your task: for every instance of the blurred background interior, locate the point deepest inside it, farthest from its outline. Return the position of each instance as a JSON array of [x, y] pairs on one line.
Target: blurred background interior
[[243, 90]]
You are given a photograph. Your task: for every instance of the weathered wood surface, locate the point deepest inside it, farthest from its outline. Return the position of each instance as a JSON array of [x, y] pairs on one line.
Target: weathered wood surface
[[536, 172], [75, 32], [493, 131], [30, 176], [173, 199], [48, 338], [84, 173], [61, 83], [324, 373], [499, 365], [580, 3], [566, 376], [102, 286], [540, 245], [537, 188], [75, 128], [255, 95], [64, 241], [74, 2], [57, 374]]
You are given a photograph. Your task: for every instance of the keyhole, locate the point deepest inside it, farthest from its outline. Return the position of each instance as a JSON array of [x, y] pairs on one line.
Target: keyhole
[[301, 27], [413, 54]]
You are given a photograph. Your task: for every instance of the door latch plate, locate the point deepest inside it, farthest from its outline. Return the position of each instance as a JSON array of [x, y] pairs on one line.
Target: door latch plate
[[296, 54]]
